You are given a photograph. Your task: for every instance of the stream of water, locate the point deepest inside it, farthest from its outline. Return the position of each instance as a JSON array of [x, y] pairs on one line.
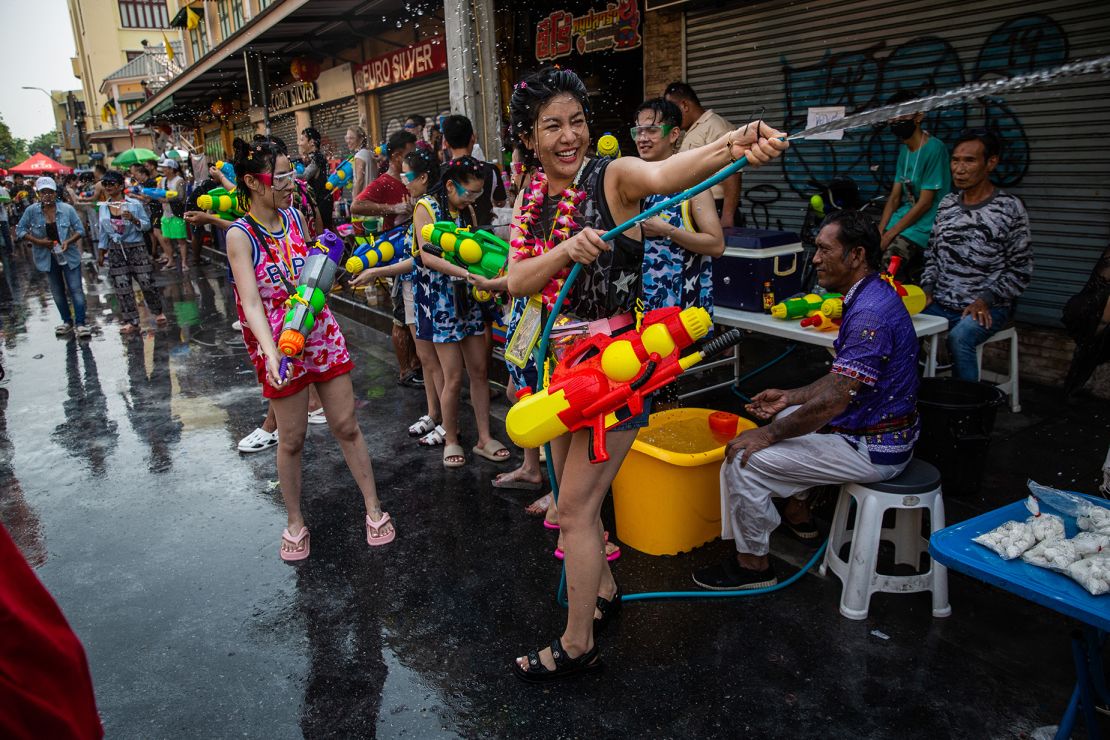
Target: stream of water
[[1100, 66]]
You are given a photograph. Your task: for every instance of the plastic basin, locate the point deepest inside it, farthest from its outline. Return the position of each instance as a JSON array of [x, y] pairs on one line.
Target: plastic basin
[[667, 493], [957, 418]]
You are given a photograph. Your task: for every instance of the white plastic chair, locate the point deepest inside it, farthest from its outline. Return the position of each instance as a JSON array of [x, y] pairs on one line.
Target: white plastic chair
[[1008, 384]]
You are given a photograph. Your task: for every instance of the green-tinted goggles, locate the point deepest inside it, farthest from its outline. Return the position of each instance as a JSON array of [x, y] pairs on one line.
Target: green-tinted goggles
[[651, 131]]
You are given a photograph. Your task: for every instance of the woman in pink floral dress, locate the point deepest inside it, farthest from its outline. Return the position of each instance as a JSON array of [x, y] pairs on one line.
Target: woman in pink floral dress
[[266, 251]]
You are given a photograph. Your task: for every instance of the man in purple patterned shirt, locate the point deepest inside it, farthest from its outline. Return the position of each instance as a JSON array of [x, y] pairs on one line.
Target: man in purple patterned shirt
[[858, 423]]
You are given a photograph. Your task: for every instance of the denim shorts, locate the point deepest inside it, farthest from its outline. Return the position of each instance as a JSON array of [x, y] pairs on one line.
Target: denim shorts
[[638, 421]]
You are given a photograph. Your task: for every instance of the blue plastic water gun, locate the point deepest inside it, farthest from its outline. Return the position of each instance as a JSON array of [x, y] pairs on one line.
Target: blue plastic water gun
[[228, 170], [343, 177], [381, 150], [377, 251], [156, 193]]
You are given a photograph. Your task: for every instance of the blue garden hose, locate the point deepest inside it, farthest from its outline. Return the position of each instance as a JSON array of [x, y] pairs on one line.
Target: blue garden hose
[[747, 376], [541, 355]]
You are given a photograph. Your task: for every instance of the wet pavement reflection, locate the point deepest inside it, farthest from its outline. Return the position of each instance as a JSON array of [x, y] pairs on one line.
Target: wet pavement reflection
[[120, 482]]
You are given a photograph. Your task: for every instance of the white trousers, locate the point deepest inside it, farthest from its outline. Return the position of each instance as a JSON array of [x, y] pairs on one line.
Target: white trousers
[[785, 469]]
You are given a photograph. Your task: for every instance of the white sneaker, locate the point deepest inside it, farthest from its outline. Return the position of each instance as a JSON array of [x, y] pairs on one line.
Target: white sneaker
[[237, 326], [62, 329], [258, 440], [317, 417], [84, 332]]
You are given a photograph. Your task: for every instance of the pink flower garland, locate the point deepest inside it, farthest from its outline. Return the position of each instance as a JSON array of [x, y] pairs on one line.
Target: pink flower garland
[[525, 244]]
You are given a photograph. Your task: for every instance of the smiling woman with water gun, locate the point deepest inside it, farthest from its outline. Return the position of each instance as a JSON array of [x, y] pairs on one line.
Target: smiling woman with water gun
[[267, 251], [557, 223]]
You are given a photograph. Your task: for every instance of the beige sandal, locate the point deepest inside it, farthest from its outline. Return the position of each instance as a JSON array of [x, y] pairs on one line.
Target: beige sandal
[[453, 451], [490, 450]]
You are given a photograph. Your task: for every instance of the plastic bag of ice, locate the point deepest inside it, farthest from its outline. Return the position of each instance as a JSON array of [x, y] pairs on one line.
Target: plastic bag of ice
[[1092, 573], [1089, 516], [1052, 554], [1091, 543], [1008, 540], [1044, 526]]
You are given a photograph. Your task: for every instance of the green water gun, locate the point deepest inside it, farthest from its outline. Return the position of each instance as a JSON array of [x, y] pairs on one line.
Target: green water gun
[[221, 202], [800, 308], [478, 252]]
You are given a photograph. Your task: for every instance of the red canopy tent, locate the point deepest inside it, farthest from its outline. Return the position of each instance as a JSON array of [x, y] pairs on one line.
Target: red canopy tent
[[40, 164]]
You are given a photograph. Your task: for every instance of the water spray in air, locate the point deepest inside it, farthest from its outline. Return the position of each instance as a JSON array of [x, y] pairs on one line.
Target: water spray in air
[[1100, 66]]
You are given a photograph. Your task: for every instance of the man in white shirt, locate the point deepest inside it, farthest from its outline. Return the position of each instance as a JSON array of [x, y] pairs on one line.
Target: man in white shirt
[[700, 127]]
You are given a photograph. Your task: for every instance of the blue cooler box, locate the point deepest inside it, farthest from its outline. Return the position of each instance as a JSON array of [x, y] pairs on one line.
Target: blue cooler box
[[752, 257]]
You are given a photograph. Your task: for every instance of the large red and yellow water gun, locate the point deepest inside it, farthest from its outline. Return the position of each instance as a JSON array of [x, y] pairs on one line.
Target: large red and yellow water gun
[[601, 374], [913, 297]]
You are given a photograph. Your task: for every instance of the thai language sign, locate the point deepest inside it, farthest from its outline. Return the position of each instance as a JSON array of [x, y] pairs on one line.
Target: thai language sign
[[425, 58], [614, 28]]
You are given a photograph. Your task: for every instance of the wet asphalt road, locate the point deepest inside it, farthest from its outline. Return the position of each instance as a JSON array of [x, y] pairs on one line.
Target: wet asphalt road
[[120, 481]]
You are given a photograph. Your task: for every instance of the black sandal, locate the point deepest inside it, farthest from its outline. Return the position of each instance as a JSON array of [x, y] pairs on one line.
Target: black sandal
[[609, 609], [565, 666], [805, 531]]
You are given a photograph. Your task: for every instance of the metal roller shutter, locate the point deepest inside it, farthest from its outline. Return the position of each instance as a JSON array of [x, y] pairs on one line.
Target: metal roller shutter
[[244, 130], [429, 98], [858, 53], [332, 121], [214, 146], [285, 128]]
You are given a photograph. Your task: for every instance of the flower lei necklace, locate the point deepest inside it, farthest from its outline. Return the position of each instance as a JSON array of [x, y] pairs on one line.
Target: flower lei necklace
[[525, 244]]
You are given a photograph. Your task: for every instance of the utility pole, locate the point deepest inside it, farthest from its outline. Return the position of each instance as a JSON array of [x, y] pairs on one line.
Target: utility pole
[[472, 69]]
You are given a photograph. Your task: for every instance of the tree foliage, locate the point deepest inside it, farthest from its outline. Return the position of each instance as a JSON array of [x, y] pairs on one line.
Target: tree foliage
[[44, 143], [13, 150]]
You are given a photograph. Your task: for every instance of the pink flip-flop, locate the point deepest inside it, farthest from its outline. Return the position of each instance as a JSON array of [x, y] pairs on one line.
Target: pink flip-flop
[[560, 555], [371, 525], [298, 554], [550, 525]]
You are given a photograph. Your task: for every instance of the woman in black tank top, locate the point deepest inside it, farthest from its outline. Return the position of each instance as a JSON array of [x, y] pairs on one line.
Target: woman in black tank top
[[550, 116]]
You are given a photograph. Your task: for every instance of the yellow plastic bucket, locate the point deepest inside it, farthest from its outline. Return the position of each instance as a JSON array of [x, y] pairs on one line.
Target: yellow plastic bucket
[[667, 493]]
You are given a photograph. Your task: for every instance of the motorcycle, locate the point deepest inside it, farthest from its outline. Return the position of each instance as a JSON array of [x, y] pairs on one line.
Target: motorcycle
[[840, 193]]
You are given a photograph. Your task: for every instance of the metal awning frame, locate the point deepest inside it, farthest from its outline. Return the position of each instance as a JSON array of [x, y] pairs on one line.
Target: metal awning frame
[[280, 32]]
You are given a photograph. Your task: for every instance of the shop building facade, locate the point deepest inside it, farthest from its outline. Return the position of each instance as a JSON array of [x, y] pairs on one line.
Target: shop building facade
[[788, 59], [603, 42]]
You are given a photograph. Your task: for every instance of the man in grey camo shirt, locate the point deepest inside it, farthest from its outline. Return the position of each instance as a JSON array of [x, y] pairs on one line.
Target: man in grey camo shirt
[[980, 258]]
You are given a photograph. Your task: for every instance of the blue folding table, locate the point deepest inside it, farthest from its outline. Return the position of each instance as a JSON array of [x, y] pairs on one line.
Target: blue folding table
[[953, 547]]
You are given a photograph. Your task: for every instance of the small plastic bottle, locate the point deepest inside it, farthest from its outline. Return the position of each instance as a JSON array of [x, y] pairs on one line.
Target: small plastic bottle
[[59, 253], [768, 296]]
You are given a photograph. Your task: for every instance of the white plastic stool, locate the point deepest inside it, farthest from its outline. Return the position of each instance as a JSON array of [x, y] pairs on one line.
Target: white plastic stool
[[914, 489], [1008, 384]]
